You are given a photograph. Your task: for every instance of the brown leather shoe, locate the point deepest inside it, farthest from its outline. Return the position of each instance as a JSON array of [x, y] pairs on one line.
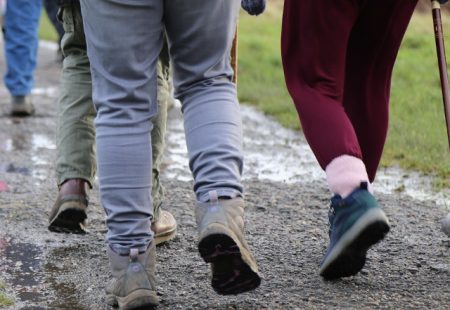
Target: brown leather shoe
[[165, 228], [68, 214]]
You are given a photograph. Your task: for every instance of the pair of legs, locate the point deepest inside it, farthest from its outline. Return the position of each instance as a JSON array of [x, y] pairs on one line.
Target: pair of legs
[[124, 40], [76, 158], [20, 28], [338, 58]]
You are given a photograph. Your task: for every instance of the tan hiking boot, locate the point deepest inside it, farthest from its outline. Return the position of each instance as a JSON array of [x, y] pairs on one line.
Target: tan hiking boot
[[21, 106], [133, 285], [165, 228], [68, 214], [222, 243]]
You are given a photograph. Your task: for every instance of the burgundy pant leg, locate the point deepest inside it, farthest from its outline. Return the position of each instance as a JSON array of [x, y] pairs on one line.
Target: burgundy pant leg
[[338, 58], [372, 50], [314, 46]]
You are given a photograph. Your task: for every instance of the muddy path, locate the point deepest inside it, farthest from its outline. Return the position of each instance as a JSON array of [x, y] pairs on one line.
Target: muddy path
[[286, 223]]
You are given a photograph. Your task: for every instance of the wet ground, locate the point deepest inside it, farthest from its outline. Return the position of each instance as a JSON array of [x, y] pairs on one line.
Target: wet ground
[[286, 223]]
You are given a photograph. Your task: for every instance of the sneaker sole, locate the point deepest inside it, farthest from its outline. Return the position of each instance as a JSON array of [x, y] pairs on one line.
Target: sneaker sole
[[69, 220], [349, 255], [231, 275]]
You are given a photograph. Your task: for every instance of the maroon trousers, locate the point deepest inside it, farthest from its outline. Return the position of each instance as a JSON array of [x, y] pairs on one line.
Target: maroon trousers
[[338, 57]]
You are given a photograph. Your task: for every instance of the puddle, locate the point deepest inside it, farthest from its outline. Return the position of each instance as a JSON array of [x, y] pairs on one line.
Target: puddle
[[42, 142], [10, 168], [33, 143], [51, 92], [36, 145], [50, 45], [275, 153], [20, 267], [55, 267], [34, 278], [25, 142]]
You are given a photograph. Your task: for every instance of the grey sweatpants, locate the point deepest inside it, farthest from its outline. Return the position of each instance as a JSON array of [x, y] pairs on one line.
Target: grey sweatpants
[[124, 39]]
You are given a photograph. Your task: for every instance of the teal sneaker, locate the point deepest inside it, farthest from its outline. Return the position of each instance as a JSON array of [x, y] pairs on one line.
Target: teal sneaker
[[356, 223]]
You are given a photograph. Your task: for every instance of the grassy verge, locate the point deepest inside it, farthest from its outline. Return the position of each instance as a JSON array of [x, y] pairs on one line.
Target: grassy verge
[[417, 137], [5, 301]]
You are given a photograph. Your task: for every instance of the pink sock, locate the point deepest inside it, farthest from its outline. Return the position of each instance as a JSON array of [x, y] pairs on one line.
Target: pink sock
[[345, 173]]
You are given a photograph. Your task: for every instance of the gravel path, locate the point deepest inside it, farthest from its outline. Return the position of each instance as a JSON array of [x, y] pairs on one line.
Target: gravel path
[[286, 224]]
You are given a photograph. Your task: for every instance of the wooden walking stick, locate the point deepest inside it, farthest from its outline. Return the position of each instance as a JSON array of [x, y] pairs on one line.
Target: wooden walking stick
[[234, 56], [440, 47]]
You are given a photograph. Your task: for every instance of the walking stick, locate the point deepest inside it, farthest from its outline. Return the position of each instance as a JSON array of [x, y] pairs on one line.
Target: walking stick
[[234, 57], [440, 47]]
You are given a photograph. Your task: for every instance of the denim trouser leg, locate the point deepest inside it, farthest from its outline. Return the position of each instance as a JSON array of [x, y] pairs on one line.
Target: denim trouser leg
[[21, 43], [203, 83], [124, 39]]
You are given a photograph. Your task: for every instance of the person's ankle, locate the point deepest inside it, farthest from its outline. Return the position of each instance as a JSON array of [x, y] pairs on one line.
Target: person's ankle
[[75, 187], [345, 174]]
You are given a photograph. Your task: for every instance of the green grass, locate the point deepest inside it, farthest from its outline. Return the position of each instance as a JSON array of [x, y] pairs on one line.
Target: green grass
[[417, 136], [260, 79], [46, 30], [5, 301]]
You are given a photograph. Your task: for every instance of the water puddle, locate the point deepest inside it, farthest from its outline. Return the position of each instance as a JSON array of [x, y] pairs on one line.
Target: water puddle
[[51, 92], [10, 168], [25, 142], [275, 153], [49, 45], [33, 278], [37, 145], [20, 267]]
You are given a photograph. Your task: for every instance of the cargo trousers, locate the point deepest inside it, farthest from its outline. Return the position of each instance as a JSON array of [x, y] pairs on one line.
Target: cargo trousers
[[76, 152]]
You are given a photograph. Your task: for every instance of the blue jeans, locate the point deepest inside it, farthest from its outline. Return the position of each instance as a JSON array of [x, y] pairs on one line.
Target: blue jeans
[[21, 44]]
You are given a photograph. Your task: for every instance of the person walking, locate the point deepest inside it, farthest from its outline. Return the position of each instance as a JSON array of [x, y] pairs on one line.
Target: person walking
[[76, 162], [20, 32], [338, 58], [123, 41]]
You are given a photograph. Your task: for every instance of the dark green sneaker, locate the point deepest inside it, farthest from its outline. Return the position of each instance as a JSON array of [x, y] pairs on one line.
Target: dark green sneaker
[[133, 285], [356, 223]]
